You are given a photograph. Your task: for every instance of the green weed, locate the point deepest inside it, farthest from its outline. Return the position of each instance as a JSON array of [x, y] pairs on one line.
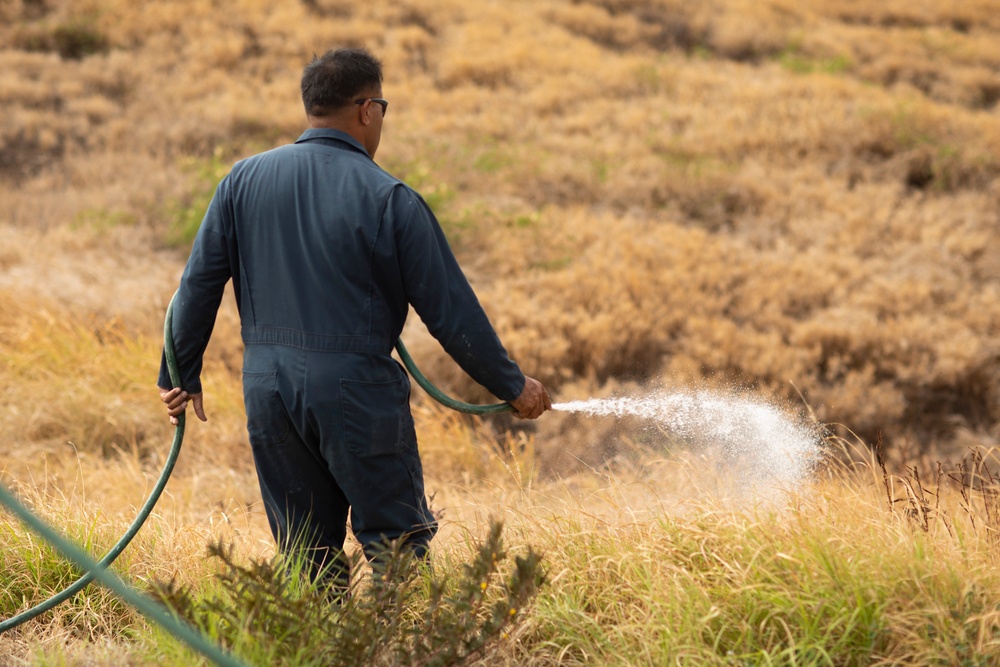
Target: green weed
[[493, 159], [407, 614], [73, 39], [186, 213], [102, 220], [801, 64]]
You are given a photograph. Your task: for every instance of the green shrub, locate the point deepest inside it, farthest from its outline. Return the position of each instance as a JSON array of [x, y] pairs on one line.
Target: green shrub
[[270, 614]]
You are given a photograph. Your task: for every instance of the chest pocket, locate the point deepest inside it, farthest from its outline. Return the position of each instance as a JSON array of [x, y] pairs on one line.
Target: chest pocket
[[375, 416]]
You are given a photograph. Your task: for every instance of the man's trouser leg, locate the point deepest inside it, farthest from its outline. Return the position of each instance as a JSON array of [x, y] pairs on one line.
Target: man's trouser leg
[[343, 443], [375, 461], [305, 507], [390, 507]]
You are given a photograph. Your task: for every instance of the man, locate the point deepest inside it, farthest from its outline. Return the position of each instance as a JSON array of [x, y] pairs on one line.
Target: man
[[326, 252]]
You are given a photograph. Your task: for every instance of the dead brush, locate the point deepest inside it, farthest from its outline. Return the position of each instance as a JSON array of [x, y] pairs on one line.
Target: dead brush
[[920, 504], [977, 483], [980, 490]]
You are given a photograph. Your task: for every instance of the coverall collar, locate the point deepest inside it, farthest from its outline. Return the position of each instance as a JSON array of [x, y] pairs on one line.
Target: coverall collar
[[329, 133]]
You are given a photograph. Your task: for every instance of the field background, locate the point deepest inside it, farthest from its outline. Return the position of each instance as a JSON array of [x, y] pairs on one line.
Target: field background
[[799, 200]]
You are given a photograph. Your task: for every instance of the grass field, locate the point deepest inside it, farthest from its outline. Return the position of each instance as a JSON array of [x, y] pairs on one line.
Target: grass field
[[799, 201]]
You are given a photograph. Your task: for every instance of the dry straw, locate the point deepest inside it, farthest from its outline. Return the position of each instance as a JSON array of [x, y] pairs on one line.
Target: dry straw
[[795, 198]]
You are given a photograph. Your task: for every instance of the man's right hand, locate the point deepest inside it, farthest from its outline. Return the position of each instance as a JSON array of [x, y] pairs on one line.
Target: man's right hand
[[177, 400], [533, 401]]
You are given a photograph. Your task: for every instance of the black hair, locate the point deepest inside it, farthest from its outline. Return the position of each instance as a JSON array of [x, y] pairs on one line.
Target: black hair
[[337, 78]]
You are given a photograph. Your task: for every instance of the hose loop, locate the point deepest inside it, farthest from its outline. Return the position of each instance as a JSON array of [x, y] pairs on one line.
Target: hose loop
[[443, 398], [144, 511]]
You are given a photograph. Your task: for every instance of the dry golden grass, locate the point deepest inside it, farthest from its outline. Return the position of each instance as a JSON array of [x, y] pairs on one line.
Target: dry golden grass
[[646, 566], [796, 197]]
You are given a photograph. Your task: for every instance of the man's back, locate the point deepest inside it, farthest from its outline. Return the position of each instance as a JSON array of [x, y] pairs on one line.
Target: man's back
[[313, 254], [326, 252]]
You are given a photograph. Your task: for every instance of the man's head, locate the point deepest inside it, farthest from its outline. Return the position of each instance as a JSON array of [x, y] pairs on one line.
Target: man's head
[[340, 89]]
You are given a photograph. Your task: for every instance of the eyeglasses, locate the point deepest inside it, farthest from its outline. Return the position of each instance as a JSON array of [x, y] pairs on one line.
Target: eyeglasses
[[377, 100]]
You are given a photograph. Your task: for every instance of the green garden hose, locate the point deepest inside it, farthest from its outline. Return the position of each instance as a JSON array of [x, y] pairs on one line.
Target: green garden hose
[[440, 396], [145, 604], [97, 570], [144, 511]]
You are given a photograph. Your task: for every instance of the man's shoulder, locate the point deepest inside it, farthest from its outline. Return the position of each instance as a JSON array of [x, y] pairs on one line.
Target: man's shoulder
[[345, 157], [275, 153], [375, 177], [386, 183], [248, 165]]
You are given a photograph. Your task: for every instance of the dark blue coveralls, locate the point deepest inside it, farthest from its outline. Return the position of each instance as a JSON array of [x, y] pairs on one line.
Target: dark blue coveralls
[[326, 251]]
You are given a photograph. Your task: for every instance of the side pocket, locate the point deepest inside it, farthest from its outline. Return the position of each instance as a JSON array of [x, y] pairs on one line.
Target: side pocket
[[267, 423], [374, 416]]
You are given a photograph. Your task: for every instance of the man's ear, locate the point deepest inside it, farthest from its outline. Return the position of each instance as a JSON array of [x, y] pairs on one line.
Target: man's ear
[[365, 113]]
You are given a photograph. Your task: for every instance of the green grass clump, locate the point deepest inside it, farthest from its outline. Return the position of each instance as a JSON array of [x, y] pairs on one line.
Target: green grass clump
[[73, 39], [31, 571]]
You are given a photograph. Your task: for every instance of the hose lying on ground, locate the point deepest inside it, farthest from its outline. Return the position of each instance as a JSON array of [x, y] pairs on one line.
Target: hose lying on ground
[[144, 511], [99, 570]]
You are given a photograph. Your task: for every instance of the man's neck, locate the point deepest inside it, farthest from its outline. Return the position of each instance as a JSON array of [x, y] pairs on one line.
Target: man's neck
[[333, 123]]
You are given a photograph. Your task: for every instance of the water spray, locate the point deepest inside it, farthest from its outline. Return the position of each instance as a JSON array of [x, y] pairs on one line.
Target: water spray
[[767, 448]]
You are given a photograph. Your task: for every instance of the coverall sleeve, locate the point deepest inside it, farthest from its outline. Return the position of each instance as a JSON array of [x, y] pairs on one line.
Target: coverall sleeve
[[200, 293], [440, 293]]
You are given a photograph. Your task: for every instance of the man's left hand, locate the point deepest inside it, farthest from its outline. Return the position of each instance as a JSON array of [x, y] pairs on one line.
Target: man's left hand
[[533, 401]]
